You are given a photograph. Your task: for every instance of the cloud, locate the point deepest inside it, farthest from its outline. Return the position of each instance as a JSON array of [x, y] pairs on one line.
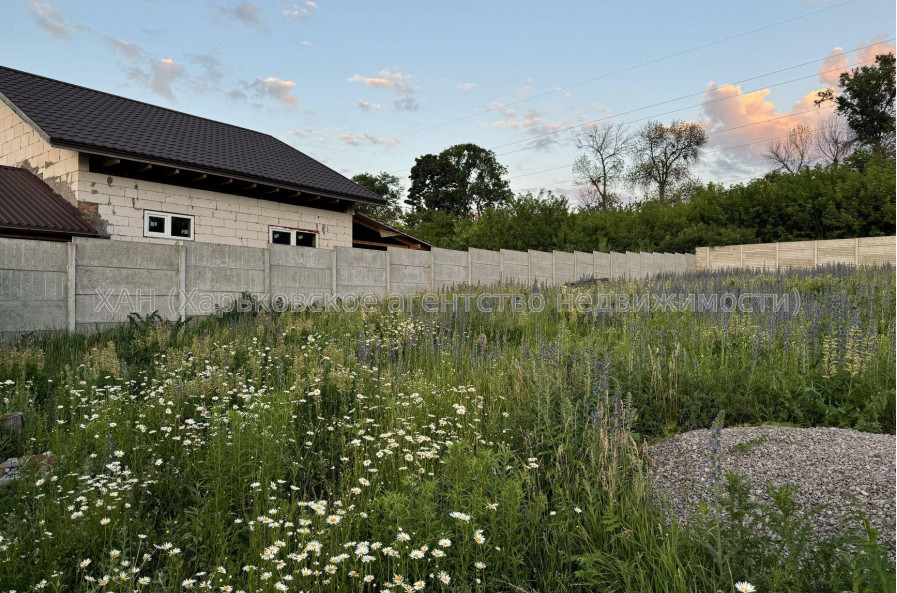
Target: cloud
[[832, 66], [275, 88], [501, 108], [407, 103], [837, 62], [126, 48], [545, 133], [299, 12], [752, 118], [159, 75], [466, 86], [246, 13], [49, 20], [164, 73], [212, 73], [353, 139], [369, 106], [395, 81]]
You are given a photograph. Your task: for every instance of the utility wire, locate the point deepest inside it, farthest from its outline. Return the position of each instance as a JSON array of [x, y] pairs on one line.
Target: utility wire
[[599, 77], [716, 149], [739, 94]]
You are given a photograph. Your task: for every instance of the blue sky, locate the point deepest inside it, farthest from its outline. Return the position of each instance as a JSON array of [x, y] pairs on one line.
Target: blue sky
[[354, 83]]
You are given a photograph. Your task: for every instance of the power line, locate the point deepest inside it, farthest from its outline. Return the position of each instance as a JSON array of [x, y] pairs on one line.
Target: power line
[[599, 77], [741, 93], [716, 149]]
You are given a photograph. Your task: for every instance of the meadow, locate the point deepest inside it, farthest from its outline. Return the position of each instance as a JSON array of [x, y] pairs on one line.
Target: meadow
[[454, 451]]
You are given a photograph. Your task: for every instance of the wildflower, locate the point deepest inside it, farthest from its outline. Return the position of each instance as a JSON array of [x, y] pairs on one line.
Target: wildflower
[[104, 521], [143, 580], [444, 577], [479, 565], [445, 542], [744, 587], [84, 563]]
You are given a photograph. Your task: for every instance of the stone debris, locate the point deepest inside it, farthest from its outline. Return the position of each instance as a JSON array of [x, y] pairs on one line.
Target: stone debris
[[9, 469], [829, 466], [12, 420]]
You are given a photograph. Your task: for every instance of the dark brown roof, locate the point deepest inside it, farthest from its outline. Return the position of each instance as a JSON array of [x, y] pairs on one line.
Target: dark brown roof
[[93, 121], [27, 204]]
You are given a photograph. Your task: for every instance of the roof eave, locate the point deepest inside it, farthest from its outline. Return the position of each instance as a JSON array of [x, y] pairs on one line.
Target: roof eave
[[86, 148]]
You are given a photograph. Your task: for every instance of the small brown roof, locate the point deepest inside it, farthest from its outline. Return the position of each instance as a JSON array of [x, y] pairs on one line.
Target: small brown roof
[[27, 204]]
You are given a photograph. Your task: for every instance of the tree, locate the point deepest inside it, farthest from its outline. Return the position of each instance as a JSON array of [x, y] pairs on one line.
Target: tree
[[523, 222], [834, 139], [866, 100], [388, 187], [601, 167], [793, 152], [663, 156], [464, 180]]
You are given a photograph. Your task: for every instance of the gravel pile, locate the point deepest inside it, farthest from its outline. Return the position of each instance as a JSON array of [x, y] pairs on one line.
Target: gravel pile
[[826, 464]]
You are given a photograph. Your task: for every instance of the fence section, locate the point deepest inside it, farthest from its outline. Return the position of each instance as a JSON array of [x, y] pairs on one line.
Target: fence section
[[799, 254]]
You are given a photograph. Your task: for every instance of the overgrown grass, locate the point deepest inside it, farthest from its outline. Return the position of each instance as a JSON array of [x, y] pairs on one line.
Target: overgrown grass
[[459, 451]]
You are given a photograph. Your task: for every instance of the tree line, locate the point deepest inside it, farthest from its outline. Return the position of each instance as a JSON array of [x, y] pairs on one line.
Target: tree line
[[834, 181]]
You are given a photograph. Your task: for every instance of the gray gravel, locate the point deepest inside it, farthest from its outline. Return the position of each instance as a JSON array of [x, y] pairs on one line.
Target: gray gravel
[[826, 464]]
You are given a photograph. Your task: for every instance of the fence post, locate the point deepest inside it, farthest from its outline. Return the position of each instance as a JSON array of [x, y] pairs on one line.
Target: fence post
[[856, 252], [71, 284], [182, 281], [333, 272], [388, 265]]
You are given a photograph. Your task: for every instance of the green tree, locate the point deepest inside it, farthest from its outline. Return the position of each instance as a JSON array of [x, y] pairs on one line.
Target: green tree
[[464, 180], [663, 157], [388, 187], [524, 222], [866, 100]]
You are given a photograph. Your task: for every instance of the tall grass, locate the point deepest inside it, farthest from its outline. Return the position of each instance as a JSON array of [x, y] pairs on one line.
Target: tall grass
[[459, 451]]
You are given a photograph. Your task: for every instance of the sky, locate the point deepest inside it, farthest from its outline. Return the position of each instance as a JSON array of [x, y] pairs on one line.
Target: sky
[[367, 86]]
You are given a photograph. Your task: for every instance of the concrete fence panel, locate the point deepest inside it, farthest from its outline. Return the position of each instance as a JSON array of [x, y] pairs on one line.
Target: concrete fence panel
[[541, 266], [836, 251], [300, 271], [485, 266], [617, 265], [409, 270], [514, 266], [564, 267], [360, 271], [602, 264], [725, 257], [646, 264], [876, 251], [762, 256], [450, 268], [219, 274], [680, 263], [633, 265], [116, 278], [583, 265], [33, 286], [797, 255]]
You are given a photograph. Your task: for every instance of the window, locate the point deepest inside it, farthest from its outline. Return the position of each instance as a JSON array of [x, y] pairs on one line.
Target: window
[[167, 226], [300, 238]]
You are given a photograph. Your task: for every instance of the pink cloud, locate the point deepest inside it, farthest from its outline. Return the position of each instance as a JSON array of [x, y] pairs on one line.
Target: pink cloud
[[732, 118], [838, 61]]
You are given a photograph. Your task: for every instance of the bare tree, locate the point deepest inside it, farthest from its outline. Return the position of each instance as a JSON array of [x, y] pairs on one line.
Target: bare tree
[[834, 139], [601, 167], [663, 156], [793, 152]]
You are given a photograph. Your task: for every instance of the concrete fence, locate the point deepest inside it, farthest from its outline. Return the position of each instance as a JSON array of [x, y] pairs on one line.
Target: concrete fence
[[800, 254], [93, 283]]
